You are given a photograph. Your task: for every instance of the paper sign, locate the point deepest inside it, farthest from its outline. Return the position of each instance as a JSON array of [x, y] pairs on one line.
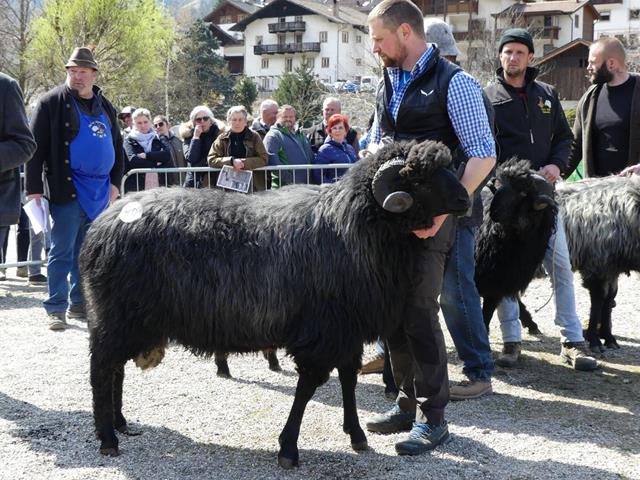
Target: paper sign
[[238, 180], [38, 214]]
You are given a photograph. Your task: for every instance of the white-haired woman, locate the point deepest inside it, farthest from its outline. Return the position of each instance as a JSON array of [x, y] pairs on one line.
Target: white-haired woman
[[144, 149], [198, 134], [240, 147]]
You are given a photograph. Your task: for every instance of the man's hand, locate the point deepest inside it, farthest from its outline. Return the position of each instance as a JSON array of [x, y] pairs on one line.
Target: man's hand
[[433, 230], [37, 197], [114, 193], [197, 131], [550, 172], [632, 170]]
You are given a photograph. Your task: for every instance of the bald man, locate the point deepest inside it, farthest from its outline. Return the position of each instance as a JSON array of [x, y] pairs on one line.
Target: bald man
[[607, 127], [318, 132]]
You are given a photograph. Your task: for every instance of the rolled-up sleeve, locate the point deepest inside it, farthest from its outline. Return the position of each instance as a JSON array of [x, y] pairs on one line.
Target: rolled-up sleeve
[[469, 116]]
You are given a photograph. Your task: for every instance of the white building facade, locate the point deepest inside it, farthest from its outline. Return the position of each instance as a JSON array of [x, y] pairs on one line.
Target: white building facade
[[284, 34], [619, 18]]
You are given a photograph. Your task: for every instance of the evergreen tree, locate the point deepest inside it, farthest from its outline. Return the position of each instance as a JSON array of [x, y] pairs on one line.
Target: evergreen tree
[[301, 90], [246, 92], [198, 75]]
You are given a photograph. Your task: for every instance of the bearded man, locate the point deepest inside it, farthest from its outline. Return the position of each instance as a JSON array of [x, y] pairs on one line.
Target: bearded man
[[606, 132]]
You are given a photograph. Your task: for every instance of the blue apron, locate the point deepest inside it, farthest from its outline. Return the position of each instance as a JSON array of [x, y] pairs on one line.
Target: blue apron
[[92, 158]]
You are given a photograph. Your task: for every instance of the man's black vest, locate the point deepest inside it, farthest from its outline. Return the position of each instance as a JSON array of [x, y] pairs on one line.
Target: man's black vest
[[423, 112]]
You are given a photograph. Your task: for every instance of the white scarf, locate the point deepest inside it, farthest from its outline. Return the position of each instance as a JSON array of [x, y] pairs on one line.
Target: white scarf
[[144, 139]]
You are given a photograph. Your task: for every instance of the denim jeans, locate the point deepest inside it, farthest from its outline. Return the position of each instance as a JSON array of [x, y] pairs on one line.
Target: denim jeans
[[557, 263], [69, 227], [462, 310]]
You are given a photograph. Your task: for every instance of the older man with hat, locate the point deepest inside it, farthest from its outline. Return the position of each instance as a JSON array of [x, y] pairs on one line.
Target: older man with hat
[[126, 117], [78, 166], [531, 124]]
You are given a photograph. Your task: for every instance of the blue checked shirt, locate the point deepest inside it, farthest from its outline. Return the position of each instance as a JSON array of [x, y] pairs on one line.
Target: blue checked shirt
[[464, 105]]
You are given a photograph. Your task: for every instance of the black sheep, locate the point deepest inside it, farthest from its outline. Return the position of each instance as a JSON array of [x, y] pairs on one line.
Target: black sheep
[[602, 222], [519, 218], [317, 270]]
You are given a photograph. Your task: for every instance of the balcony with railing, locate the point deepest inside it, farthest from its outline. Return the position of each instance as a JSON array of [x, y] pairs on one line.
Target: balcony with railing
[[283, 27], [604, 2], [281, 48], [453, 7], [462, 6]]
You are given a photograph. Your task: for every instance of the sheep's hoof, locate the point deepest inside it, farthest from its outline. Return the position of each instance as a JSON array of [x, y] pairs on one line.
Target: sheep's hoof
[[275, 367], [612, 344], [287, 463], [360, 446], [535, 331], [124, 429], [223, 374], [110, 451]]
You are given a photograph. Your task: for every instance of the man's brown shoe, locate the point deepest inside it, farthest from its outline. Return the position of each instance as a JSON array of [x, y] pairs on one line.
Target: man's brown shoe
[[470, 389], [510, 354], [375, 365], [575, 353]]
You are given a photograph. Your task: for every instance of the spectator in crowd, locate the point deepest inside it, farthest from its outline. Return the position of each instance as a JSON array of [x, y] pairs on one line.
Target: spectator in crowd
[[240, 147], [335, 149], [172, 143], [268, 114], [144, 149], [198, 135], [80, 148], [16, 147], [531, 124], [318, 132], [125, 116], [29, 247], [286, 146], [603, 136], [403, 112], [459, 300]]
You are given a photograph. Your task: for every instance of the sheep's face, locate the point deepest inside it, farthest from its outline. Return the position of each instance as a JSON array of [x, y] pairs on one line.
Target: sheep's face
[[417, 182], [521, 197]]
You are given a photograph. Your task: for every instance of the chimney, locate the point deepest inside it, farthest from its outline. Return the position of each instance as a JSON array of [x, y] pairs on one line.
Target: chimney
[[334, 9]]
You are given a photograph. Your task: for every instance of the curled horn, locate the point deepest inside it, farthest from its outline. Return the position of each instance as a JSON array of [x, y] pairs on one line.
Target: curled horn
[[545, 193], [394, 201]]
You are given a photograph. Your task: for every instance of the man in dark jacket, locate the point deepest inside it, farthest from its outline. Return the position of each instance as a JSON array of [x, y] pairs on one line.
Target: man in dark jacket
[[78, 165], [268, 116], [530, 124], [318, 132], [606, 132], [16, 147], [424, 97]]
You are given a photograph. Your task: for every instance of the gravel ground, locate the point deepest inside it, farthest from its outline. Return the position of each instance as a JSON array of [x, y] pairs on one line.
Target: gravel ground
[[544, 420]]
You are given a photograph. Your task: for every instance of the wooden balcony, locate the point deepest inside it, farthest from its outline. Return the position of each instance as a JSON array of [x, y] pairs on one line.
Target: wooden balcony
[[604, 2], [453, 7], [283, 27], [462, 6], [281, 48]]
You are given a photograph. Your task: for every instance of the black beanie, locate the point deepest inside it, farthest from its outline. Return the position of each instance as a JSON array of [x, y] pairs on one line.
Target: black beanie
[[518, 35]]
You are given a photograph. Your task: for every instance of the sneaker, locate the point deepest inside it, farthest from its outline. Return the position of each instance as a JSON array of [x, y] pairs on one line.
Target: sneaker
[[3, 275], [57, 321], [469, 389], [510, 354], [423, 437], [375, 365], [21, 272], [37, 279], [575, 353], [77, 311], [394, 420]]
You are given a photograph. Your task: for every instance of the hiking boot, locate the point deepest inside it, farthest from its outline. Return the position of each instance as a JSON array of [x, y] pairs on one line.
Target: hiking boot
[[376, 365], [575, 353], [510, 354], [77, 311], [423, 437], [469, 389], [37, 279], [22, 272], [394, 420], [57, 321]]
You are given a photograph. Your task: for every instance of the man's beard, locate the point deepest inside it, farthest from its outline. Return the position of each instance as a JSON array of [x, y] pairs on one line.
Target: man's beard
[[515, 72], [395, 62], [602, 75]]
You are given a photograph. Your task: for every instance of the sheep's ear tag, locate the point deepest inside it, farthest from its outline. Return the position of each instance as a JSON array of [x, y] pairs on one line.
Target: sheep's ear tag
[[397, 202], [131, 212]]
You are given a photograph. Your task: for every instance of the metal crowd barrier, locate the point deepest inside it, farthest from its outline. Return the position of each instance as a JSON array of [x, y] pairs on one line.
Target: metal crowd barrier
[[273, 176], [291, 174]]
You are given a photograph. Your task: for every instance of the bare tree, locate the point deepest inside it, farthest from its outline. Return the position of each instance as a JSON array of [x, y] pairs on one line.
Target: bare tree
[[15, 35]]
